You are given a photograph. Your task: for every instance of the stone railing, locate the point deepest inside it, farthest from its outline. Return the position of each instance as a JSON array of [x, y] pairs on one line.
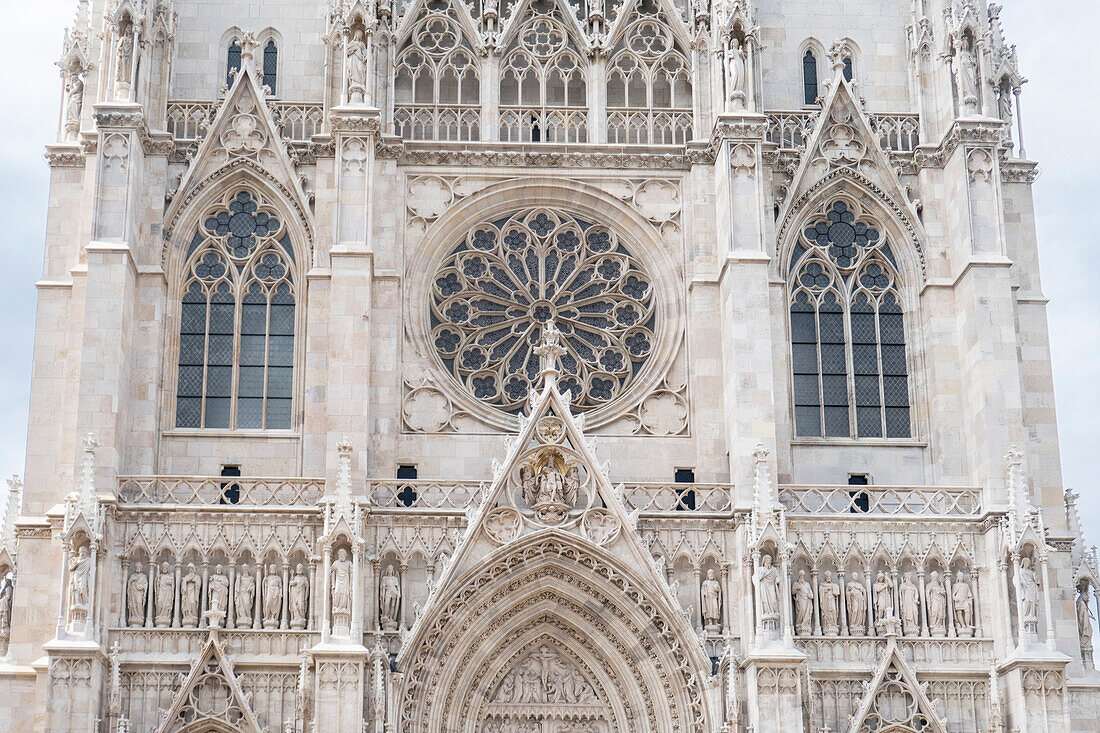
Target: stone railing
[[630, 126], [918, 501], [450, 122], [899, 133], [422, 494], [673, 498], [189, 120], [551, 125], [219, 490]]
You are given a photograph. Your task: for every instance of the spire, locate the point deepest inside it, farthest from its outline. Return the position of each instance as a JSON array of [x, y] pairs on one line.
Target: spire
[[86, 485], [11, 512]]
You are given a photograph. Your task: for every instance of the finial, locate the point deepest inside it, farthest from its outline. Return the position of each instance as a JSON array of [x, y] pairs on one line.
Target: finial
[[549, 350]]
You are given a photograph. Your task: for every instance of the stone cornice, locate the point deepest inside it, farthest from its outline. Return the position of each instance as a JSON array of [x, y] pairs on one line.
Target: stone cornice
[[1019, 171], [600, 157], [64, 155]]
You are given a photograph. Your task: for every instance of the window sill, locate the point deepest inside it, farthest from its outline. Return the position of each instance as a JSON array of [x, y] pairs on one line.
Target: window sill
[[861, 442], [222, 433]]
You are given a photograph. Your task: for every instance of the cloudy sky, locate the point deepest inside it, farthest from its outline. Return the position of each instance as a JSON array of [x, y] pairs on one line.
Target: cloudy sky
[[1060, 107]]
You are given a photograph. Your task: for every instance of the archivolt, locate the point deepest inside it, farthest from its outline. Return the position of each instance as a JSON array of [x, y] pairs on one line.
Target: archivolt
[[551, 586]]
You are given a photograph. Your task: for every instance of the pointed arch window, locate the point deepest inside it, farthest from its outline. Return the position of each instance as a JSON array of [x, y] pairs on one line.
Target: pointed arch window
[[848, 358], [271, 65], [649, 84], [237, 320], [849, 68], [809, 78], [437, 87], [232, 61]]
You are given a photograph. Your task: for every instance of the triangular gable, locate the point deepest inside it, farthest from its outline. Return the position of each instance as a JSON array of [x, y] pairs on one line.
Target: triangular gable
[[210, 696], [551, 483], [456, 11], [243, 134], [522, 12], [894, 700], [667, 13]]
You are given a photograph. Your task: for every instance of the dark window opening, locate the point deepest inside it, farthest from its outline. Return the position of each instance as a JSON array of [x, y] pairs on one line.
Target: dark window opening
[[231, 493], [233, 62], [407, 496], [861, 500], [685, 498], [848, 72], [536, 133], [271, 65], [809, 77]]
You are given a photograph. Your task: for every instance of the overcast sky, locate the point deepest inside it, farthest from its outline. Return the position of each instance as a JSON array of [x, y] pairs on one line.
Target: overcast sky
[[1057, 46]]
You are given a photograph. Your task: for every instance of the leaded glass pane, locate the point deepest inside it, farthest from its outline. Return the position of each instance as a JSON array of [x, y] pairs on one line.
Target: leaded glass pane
[[809, 78], [806, 389], [271, 65], [280, 351], [869, 421], [188, 412], [804, 358], [251, 381], [807, 421], [250, 412], [897, 422], [278, 414], [836, 422], [217, 412], [233, 62], [867, 393]]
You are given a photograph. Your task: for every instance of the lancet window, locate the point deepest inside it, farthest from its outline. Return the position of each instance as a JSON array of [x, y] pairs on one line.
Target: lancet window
[[543, 94], [809, 78], [237, 319], [437, 88], [649, 85], [271, 66], [847, 330], [232, 61]]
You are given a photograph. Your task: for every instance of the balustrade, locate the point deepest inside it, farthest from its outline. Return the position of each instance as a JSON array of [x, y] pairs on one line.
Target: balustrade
[[922, 501]]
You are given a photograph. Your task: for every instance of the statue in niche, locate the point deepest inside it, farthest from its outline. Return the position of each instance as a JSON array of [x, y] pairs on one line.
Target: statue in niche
[[73, 103], [829, 601], [357, 68], [80, 578], [125, 57], [883, 593], [137, 591], [711, 595], [550, 489], [803, 604], [1084, 620], [856, 597], [299, 598], [1027, 585], [218, 589], [272, 597], [527, 485], [190, 587], [342, 577], [245, 597], [963, 601], [389, 598], [7, 589], [909, 599], [968, 76], [550, 485], [572, 485], [936, 598], [736, 72], [165, 595], [766, 579]]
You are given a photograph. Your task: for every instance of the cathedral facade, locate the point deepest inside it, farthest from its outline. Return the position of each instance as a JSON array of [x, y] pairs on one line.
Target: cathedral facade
[[548, 366]]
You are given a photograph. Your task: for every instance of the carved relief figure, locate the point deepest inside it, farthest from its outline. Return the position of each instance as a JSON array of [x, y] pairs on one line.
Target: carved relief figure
[[219, 597], [803, 604], [527, 485], [165, 595], [767, 590], [550, 485], [711, 594], [190, 587], [545, 678], [1027, 585], [909, 599], [883, 593], [936, 598], [856, 597], [272, 597], [572, 485], [245, 597], [299, 598], [829, 602], [137, 590], [357, 68], [389, 598], [963, 601]]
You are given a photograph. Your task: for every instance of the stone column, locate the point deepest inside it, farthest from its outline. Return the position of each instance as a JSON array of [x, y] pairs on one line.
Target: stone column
[[1047, 607], [357, 589], [231, 598], [204, 593], [257, 600], [312, 618], [727, 596], [947, 583], [758, 614], [150, 600], [697, 579], [326, 603], [124, 606], [923, 613], [975, 584], [176, 598], [1019, 122], [1019, 604], [284, 618], [817, 604], [785, 618], [842, 583]]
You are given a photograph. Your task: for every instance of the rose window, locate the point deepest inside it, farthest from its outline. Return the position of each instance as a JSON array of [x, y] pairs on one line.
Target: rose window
[[492, 296]]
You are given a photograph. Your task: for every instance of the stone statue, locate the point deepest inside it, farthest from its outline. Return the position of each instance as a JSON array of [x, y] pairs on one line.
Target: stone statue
[[125, 58], [73, 104], [828, 598], [299, 598], [1084, 619], [341, 593], [165, 595], [767, 590], [883, 594], [968, 78], [549, 485], [856, 596], [936, 598], [218, 591], [909, 599], [7, 589], [245, 597], [736, 74], [272, 597], [572, 485], [1027, 585], [803, 604], [711, 595], [963, 601], [137, 591], [357, 68], [527, 485], [190, 587], [80, 578], [544, 678], [389, 598]]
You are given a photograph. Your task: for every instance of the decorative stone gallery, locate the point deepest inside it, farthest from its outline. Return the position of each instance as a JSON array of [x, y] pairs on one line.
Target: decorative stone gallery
[[543, 367]]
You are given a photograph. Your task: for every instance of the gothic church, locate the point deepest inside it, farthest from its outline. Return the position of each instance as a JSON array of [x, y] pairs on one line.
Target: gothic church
[[543, 366]]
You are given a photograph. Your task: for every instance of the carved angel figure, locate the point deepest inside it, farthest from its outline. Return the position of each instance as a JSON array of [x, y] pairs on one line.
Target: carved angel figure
[[189, 597], [856, 596], [357, 68], [389, 598], [137, 590], [165, 595], [299, 597], [803, 604], [828, 598], [245, 597], [963, 601], [936, 598], [711, 595]]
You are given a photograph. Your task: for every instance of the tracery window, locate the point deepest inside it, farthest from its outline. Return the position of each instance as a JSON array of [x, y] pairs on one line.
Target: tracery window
[[543, 94], [649, 85], [437, 88], [847, 330], [236, 350], [271, 66], [492, 296], [809, 78], [232, 61]]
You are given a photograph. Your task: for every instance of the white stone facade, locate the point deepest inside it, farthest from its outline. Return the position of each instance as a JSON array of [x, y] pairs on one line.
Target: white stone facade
[[543, 367]]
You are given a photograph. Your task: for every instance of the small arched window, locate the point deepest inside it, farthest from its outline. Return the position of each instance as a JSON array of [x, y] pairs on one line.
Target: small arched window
[[849, 71], [232, 61], [847, 331], [271, 65], [236, 350], [809, 78]]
